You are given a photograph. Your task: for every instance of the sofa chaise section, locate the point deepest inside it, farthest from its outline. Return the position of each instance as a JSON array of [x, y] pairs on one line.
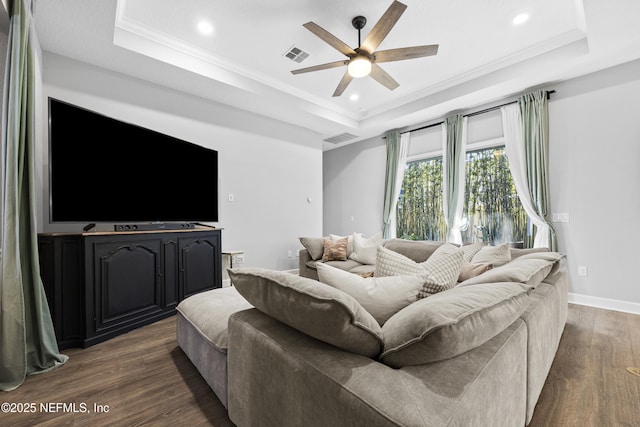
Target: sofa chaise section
[[282, 377]]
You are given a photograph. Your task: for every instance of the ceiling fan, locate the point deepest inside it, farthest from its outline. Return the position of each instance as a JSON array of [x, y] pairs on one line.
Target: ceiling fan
[[363, 60]]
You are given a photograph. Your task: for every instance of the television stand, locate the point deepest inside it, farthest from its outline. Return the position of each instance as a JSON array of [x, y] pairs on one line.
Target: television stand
[[104, 283]]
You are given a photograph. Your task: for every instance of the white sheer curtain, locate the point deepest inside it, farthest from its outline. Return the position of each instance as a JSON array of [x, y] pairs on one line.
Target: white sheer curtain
[[397, 149], [515, 146], [454, 146]]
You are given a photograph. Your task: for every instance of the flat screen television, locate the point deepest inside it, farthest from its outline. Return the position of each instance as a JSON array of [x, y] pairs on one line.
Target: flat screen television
[[105, 170]]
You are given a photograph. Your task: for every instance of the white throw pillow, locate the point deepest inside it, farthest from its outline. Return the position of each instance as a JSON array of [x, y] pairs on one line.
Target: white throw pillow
[[364, 250], [382, 297]]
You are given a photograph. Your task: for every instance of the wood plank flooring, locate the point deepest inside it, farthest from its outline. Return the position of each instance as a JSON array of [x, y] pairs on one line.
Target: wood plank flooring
[[588, 384], [145, 379]]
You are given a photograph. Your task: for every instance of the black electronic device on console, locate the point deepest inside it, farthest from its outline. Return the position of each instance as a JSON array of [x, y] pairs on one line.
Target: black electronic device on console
[[154, 226]]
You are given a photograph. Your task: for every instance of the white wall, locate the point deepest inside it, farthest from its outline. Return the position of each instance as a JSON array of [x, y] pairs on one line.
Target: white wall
[[270, 178], [594, 176]]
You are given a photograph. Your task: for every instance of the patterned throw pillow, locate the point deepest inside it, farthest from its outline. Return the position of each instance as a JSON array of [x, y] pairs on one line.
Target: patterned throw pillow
[[335, 250], [442, 268]]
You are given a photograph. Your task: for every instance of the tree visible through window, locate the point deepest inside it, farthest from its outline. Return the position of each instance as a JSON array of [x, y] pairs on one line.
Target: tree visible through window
[[492, 210]]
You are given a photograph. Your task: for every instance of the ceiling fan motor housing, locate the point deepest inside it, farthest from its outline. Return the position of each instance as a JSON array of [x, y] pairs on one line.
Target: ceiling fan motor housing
[[359, 22]]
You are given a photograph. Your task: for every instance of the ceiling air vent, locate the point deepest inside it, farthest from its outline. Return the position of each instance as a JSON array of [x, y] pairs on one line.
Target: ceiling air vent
[[341, 138], [296, 54]]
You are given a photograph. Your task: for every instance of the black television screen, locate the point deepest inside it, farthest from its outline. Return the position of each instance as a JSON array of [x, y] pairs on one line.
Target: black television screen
[[106, 170]]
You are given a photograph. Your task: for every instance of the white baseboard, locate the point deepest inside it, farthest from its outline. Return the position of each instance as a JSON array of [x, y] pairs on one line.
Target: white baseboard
[[606, 303]]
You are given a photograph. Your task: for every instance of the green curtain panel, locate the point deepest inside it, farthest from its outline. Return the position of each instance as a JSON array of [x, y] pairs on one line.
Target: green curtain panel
[[454, 147], [27, 338], [535, 123], [397, 146]]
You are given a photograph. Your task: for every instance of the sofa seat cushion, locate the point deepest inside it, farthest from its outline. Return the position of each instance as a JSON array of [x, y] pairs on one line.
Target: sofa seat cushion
[[202, 333], [318, 310], [452, 322], [209, 313]]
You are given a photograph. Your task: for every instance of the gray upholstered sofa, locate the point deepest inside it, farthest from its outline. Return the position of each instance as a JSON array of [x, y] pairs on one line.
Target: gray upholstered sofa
[[312, 254], [309, 354]]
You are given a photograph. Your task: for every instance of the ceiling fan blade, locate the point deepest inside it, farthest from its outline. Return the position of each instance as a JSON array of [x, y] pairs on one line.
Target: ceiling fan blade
[[346, 79], [330, 39], [321, 67], [382, 77], [406, 53], [382, 27]]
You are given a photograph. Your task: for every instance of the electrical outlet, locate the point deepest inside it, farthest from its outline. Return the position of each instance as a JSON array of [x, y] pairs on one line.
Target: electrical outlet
[[239, 259], [582, 270], [231, 197], [560, 217]]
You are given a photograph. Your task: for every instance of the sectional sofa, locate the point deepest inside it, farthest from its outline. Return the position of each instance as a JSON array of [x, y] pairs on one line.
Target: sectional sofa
[[283, 350]]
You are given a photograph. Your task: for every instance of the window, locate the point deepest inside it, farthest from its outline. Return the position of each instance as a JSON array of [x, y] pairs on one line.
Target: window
[[492, 210], [419, 214]]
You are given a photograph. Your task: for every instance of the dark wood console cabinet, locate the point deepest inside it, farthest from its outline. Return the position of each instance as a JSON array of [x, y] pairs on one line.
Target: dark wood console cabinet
[[103, 284]]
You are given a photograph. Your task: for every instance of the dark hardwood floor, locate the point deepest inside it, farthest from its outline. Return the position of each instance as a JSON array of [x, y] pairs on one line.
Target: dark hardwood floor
[[588, 384], [145, 379]]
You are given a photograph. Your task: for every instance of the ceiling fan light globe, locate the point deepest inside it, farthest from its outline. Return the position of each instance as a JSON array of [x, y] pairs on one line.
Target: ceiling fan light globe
[[359, 67]]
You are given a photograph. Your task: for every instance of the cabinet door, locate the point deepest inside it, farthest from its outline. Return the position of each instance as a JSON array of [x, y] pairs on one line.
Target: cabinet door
[[127, 281], [61, 272], [200, 263]]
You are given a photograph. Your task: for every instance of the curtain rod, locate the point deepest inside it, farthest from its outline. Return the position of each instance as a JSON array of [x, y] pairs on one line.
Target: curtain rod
[[475, 113]]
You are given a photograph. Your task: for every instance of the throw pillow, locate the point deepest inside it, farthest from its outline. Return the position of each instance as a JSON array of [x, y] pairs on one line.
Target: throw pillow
[[452, 322], [364, 250], [470, 270], [391, 263], [335, 250], [380, 296], [320, 311], [470, 250], [496, 255], [349, 242], [442, 268]]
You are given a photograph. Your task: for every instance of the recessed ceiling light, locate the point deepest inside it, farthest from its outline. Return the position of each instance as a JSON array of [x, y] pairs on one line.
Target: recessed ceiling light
[[520, 19], [205, 27], [354, 97]]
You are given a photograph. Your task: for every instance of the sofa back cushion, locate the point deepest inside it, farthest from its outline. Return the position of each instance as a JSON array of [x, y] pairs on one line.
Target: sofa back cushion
[[452, 322], [417, 250], [314, 245], [530, 269], [318, 310]]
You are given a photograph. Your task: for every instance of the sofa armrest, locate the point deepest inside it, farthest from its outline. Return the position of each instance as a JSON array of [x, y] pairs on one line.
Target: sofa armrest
[[303, 270]]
